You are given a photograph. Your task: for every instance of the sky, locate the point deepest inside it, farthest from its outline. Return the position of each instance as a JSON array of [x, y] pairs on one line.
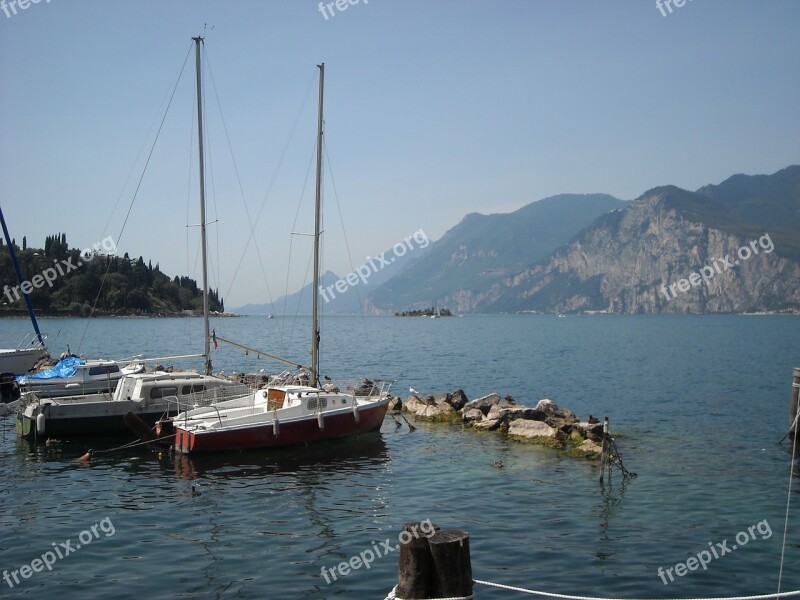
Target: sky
[[433, 109]]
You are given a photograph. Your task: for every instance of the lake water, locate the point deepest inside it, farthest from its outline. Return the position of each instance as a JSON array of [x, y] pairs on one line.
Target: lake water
[[699, 403]]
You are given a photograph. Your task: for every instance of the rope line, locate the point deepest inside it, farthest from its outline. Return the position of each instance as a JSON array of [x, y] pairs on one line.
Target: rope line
[[569, 597], [393, 594], [133, 444], [788, 501]]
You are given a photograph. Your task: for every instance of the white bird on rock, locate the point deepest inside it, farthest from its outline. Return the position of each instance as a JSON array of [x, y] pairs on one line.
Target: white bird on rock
[[413, 391]]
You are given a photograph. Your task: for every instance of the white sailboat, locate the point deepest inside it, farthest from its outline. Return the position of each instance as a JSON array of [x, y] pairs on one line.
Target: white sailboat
[[295, 412]]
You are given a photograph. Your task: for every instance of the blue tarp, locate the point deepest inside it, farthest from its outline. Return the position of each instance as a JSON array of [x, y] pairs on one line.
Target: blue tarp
[[66, 367]]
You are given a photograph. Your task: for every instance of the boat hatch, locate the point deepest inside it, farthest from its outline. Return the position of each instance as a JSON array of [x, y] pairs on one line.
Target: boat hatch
[[275, 399], [104, 370]]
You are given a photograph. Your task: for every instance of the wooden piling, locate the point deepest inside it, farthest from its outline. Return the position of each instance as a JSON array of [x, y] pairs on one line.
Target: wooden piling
[[415, 577], [793, 419], [452, 564], [433, 566]]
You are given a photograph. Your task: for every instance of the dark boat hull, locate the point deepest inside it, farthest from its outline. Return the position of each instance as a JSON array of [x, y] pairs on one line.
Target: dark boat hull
[[110, 424]]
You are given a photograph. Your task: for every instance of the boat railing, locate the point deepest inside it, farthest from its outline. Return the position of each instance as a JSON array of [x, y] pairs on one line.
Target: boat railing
[[31, 340], [209, 397], [359, 387]]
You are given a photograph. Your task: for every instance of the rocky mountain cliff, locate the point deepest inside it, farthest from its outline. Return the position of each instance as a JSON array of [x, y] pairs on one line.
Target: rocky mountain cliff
[[727, 248], [460, 270]]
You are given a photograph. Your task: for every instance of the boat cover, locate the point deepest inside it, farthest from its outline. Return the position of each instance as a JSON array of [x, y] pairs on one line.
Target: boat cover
[[66, 367]]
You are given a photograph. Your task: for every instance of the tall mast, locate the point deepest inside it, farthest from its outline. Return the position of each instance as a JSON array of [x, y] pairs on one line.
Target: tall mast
[[27, 297], [317, 211], [207, 335]]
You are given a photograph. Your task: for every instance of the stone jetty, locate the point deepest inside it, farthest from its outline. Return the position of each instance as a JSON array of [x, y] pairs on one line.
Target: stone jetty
[[546, 424]]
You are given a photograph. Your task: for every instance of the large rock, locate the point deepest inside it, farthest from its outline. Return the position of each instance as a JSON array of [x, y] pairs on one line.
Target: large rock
[[488, 424], [414, 404], [549, 412], [473, 415], [437, 412], [486, 402], [526, 429], [431, 409], [395, 403], [455, 399], [589, 429], [509, 413]]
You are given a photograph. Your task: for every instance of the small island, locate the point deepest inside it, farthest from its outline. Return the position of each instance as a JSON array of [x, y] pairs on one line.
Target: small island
[[425, 312]]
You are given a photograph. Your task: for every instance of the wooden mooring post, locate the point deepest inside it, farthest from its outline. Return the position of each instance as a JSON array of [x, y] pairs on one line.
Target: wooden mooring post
[[794, 426], [434, 566]]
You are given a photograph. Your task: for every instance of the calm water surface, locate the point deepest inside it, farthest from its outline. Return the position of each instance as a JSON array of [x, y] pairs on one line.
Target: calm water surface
[[700, 403]]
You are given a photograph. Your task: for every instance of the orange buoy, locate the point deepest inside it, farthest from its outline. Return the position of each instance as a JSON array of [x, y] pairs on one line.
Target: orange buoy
[[86, 457]]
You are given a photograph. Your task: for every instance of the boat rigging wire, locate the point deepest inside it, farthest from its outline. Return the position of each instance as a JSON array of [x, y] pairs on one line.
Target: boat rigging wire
[[254, 224], [241, 188], [135, 195]]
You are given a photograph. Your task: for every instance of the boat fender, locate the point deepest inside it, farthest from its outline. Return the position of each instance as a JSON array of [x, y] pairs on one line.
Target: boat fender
[[40, 423], [87, 457], [356, 416], [320, 420], [276, 427]]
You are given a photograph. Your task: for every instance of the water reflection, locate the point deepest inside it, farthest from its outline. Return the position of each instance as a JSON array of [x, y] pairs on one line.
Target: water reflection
[[312, 463]]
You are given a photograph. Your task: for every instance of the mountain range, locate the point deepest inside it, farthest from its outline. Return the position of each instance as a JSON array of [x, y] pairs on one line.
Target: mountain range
[[727, 248]]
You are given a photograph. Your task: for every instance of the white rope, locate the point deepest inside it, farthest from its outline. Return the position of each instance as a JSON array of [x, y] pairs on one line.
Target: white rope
[[789, 494], [393, 596], [567, 597]]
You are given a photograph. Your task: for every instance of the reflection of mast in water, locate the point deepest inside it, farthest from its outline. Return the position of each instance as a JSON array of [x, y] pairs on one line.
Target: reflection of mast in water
[[608, 508]]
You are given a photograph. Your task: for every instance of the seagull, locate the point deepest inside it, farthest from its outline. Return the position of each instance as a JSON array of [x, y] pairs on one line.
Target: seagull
[[413, 391]]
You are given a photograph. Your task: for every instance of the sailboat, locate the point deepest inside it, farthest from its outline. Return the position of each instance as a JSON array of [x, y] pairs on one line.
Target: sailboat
[[150, 396], [296, 411], [28, 352]]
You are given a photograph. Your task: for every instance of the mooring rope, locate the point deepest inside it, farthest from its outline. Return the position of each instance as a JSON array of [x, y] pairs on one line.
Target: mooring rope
[[788, 499], [569, 597], [393, 594], [133, 444]]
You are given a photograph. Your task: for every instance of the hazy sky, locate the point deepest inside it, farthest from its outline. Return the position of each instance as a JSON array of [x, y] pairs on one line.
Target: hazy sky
[[434, 109]]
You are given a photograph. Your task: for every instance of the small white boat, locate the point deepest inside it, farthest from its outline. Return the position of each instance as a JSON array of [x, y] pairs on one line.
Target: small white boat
[[74, 375], [21, 359], [150, 396]]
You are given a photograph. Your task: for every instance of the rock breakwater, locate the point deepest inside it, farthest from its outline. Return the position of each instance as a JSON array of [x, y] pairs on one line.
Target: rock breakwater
[[546, 424]]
